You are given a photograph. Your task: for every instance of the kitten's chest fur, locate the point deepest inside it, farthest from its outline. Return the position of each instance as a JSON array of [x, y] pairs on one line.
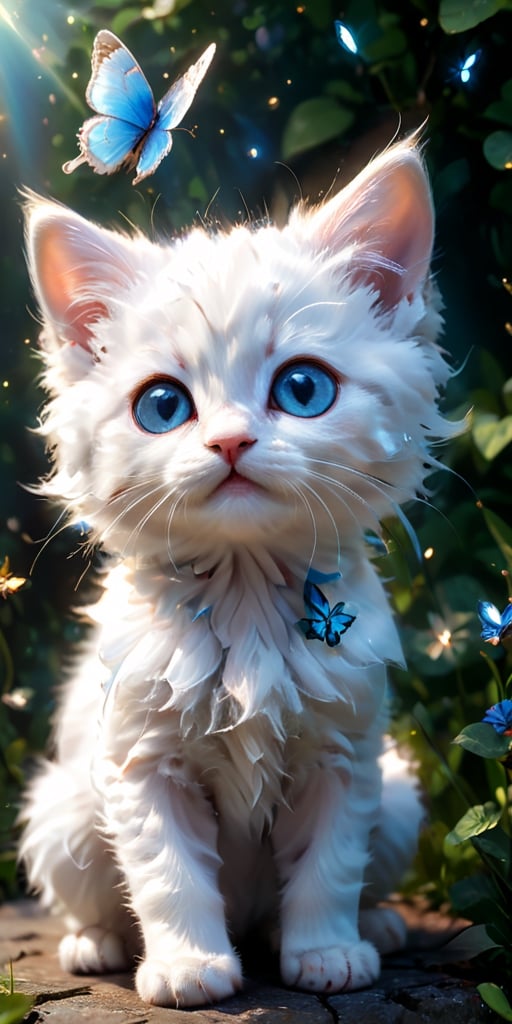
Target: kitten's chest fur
[[222, 686]]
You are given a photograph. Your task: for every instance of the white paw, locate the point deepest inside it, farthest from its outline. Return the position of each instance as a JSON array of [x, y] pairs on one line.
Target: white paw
[[384, 927], [335, 969], [93, 951], [188, 981]]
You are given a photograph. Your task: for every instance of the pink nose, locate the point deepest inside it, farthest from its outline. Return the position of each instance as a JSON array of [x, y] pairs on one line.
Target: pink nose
[[231, 446]]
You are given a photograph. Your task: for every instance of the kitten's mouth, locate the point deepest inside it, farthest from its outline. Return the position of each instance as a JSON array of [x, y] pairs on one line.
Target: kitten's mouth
[[236, 483]]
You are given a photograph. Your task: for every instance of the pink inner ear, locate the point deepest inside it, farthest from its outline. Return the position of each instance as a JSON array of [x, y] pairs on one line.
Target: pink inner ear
[[87, 313], [385, 214], [407, 232], [62, 279]]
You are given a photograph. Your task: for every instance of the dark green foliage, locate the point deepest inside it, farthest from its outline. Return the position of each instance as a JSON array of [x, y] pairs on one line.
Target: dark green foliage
[[282, 91]]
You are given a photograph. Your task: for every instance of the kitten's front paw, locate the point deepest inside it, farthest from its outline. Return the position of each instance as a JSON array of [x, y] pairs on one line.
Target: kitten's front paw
[[188, 981], [335, 969], [93, 950]]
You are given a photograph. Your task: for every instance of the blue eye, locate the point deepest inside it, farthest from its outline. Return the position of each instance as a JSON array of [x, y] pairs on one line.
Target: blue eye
[[162, 406], [304, 389]]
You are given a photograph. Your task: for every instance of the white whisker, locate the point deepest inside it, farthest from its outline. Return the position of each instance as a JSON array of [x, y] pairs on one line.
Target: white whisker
[[129, 508], [381, 487], [297, 489], [326, 508], [170, 517], [62, 523]]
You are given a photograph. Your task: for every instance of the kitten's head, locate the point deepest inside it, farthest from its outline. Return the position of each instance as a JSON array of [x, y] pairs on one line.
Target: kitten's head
[[266, 386]]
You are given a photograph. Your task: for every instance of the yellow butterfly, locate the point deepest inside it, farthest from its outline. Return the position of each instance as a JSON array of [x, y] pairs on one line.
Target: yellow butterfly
[[9, 584]]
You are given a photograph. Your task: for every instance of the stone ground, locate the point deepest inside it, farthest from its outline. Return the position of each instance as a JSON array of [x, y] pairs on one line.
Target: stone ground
[[410, 991]]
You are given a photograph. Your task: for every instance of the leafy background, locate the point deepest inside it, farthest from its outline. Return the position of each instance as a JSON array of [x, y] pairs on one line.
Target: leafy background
[[285, 111]]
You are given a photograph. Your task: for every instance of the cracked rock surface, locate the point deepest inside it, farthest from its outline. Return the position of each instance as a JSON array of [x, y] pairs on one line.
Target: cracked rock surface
[[407, 992]]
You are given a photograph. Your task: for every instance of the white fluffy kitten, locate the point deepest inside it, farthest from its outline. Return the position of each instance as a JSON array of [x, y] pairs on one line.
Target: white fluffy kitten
[[230, 412]]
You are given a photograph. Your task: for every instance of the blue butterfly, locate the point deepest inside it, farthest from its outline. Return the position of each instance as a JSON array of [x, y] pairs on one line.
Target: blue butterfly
[[495, 627], [326, 623], [129, 129]]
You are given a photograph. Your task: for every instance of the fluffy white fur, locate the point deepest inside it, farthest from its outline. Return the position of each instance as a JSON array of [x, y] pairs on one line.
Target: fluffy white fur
[[213, 768]]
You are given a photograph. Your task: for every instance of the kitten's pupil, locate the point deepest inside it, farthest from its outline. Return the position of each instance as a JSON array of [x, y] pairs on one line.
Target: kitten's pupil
[[166, 404], [302, 387]]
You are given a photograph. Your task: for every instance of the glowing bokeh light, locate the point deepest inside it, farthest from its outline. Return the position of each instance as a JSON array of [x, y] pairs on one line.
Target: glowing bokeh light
[[345, 37], [445, 638]]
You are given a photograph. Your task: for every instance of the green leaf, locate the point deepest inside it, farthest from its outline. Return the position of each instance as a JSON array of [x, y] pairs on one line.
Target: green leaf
[[345, 91], [451, 179], [313, 122], [476, 820], [481, 738], [14, 1006], [507, 390], [253, 21], [390, 45], [197, 190], [502, 534], [491, 434], [319, 14], [125, 18], [500, 110], [498, 150], [460, 15], [495, 843], [476, 897], [500, 197], [470, 943], [496, 999]]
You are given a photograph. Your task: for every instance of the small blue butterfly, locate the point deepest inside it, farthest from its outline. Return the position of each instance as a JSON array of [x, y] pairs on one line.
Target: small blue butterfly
[[465, 69], [495, 627], [129, 129], [326, 623]]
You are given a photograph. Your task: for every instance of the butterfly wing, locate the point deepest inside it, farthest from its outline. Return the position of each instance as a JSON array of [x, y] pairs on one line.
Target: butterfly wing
[[106, 144], [118, 87], [315, 602], [337, 624], [174, 104], [171, 110], [490, 619], [317, 606], [155, 146], [313, 629]]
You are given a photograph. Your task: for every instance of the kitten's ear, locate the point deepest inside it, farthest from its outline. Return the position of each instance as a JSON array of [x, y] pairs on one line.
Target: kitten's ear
[[76, 269], [382, 223]]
